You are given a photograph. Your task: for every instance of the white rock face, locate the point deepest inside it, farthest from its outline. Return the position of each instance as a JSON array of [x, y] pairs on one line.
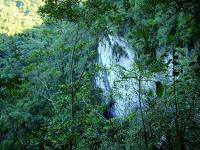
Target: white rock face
[[116, 56], [117, 59]]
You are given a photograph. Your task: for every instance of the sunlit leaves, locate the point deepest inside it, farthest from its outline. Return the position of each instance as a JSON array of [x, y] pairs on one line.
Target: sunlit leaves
[[17, 16]]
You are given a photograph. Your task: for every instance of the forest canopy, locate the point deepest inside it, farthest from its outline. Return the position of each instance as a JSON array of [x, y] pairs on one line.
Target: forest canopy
[[49, 64]]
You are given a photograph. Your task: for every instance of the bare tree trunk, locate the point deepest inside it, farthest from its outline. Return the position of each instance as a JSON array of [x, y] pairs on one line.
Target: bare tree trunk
[[142, 115], [180, 141], [73, 92]]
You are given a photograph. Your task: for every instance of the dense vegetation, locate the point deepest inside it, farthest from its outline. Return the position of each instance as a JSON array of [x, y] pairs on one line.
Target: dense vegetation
[[48, 96]]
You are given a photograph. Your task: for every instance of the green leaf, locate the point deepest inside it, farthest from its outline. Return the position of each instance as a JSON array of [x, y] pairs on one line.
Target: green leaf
[[159, 88], [192, 63], [171, 38]]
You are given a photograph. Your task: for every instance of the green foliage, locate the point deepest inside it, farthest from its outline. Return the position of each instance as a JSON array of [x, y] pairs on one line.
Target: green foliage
[[48, 96], [18, 15], [159, 88]]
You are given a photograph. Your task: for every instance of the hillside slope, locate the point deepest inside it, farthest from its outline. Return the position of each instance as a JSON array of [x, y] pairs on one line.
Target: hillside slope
[[18, 15]]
